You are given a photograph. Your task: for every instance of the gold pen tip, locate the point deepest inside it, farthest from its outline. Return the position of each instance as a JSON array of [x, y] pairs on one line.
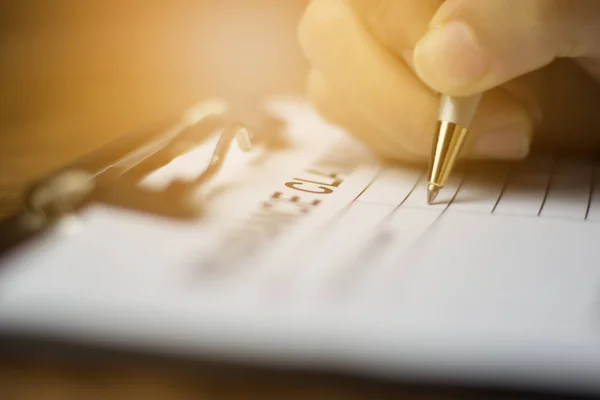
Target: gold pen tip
[[432, 192]]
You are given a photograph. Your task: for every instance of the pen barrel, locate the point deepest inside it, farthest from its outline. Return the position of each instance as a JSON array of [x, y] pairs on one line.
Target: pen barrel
[[459, 110], [447, 146]]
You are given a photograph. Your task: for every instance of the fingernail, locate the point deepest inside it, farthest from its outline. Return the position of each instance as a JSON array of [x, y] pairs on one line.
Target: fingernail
[[509, 142], [450, 57]]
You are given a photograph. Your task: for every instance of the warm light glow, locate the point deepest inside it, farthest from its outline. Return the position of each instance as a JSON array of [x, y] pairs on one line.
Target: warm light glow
[[247, 50], [205, 108], [80, 74]]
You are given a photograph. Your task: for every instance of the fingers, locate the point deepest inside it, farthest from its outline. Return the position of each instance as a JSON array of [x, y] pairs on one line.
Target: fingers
[[505, 124], [475, 45], [502, 128], [371, 79], [383, 18], [336, 109], [372, 88]]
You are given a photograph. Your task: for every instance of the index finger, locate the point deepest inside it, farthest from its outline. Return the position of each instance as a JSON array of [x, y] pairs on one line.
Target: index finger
[[382, 19], [372, 79]]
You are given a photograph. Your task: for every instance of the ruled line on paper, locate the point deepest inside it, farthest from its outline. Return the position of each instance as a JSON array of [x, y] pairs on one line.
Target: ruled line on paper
[[543, 186], [418, 198], [391, 186], [382, 236], [569, 189], [593, 186], [548, 185], [481, 189], [503, 190], [526, 188], [593, 212]]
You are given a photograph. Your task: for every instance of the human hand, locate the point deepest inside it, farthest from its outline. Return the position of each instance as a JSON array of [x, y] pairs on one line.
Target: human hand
[[378, 65]]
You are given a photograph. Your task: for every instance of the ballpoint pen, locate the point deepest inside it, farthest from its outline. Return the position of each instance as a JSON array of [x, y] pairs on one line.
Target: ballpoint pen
[[455, 117]]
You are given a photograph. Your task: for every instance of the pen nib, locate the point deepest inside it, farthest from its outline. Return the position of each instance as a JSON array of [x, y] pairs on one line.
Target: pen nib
[[432, 192]]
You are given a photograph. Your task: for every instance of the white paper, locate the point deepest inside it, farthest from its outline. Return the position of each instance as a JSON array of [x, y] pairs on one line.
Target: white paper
[[498, 283]]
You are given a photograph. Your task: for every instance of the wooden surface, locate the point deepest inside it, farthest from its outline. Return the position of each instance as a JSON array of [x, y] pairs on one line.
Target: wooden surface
[[49, 381]]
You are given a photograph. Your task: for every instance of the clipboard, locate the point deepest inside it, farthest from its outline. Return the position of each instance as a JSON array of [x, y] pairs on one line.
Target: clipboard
[[321, 258]]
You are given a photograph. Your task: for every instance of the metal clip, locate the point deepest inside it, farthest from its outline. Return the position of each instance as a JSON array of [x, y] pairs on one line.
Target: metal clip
[[111, 174]]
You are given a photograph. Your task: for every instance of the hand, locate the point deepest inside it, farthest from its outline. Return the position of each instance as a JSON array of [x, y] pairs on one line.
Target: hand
[[378, 66]]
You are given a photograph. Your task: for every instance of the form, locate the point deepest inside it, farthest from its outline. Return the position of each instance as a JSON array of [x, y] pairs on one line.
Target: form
[[321, 256]]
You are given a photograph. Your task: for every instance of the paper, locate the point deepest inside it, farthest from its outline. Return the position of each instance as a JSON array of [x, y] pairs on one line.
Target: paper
[[320, 256]]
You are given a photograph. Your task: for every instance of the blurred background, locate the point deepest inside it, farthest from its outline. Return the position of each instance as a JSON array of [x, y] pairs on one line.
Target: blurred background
[[76, 74]]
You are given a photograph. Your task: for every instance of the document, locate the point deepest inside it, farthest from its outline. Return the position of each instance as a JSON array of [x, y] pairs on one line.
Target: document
[[320, 256]]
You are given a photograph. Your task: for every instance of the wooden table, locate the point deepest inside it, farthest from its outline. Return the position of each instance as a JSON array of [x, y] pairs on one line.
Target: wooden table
[[123, 380], [58, 381]]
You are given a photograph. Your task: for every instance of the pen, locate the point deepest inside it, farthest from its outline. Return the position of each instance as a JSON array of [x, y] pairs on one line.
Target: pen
[[455, 117]]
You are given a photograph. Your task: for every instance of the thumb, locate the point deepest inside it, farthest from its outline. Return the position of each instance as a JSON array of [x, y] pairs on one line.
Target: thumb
[[475, 45]]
